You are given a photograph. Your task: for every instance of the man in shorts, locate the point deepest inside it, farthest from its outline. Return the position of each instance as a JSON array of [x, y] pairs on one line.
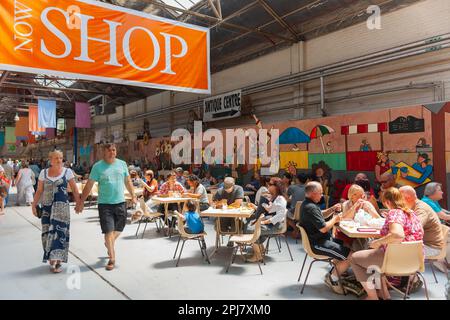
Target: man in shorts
[[112, 175], [319, 234]]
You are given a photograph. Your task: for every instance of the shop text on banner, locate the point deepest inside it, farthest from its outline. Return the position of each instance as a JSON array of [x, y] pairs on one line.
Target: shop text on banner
[[225, 106], [92, 40]]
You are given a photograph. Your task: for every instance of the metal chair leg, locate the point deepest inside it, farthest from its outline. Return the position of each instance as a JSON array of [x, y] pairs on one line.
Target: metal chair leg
[[204, 248], [181, 251], [289, 249], [145, 228], [425, 284], [307, 275], [178, 243], [267, 247], [260, 270], [200, 245], [137, 231], [278, 241], [407, 289], [432, 270], [303, 266], [231, 259]]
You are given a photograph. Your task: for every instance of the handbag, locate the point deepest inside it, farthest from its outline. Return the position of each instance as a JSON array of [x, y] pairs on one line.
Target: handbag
[[39, 211]]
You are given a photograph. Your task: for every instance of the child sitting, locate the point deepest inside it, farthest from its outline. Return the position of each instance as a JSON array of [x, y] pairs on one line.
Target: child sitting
[[193, 222]]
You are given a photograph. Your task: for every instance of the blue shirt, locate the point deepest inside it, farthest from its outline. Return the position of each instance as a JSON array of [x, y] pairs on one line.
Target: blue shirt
[[433, 204], [194, 222]]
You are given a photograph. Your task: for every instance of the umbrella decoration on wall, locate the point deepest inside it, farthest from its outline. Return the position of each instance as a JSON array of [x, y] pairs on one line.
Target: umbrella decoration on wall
[[293, 136], [320, 131]]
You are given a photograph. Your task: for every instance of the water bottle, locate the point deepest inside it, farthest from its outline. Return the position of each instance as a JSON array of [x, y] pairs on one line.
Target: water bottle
[[225, 206]]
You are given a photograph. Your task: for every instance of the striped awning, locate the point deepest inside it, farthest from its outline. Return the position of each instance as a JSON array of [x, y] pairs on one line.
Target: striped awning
[[364, 128]]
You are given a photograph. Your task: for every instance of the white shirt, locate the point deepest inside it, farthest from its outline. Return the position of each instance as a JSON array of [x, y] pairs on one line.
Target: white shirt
[[69, 175], [279, 207]]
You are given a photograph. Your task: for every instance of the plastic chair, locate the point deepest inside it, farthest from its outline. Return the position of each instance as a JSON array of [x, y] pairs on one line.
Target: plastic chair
[[200, 237], [147, 217], [315, 257], [281, 233], [442, 255], [405, 259], [244, 240]]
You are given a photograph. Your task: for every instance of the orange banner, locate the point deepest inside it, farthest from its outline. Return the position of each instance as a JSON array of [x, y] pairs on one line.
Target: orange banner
[[97, 41]]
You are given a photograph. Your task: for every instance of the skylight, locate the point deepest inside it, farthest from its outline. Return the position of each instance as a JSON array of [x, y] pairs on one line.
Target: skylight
[[181, 4]]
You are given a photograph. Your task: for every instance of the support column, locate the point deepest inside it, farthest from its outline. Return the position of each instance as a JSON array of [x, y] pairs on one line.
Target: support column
[[439, 162]]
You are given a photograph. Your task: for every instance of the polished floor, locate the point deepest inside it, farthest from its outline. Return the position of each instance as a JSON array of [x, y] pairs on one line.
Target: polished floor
[[145, 268]]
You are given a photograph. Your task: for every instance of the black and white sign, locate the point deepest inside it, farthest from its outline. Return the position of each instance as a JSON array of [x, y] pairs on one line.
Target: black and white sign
[[221, 107]]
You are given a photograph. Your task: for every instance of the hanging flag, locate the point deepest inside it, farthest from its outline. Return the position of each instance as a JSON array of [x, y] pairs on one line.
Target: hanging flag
[[50, 133], [82, 115], [22, 127], [33, 120], [2, 138], [47, 113], [10, 135]]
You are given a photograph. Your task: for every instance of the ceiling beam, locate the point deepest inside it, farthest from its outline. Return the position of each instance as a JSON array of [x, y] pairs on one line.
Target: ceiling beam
[[14, 95], [214, 9], [215, 19], [280, 20], [3, 77], [235, 14]]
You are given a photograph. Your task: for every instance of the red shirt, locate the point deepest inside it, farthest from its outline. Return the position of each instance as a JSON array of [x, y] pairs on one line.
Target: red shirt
[[347, 187], [154, 184], [5, 180], [165, 188]]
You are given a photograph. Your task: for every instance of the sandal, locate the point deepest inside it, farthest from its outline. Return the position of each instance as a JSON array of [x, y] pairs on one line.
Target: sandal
[[110, 265], [56, 268]]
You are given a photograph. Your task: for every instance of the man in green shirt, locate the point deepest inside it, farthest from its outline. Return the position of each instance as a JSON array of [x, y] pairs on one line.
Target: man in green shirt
[[112, 175]]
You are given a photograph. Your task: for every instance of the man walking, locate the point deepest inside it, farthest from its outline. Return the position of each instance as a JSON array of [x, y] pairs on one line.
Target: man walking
[[111, 175]]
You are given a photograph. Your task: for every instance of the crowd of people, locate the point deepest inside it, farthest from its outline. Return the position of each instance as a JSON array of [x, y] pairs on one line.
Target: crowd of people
[[44, 186]]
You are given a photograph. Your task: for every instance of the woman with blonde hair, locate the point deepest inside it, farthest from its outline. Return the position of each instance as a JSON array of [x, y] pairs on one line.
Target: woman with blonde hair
[[52, 194], [402, 225], [357, 200]]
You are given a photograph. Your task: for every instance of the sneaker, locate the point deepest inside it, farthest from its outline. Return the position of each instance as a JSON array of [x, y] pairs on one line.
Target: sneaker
[[333, 285]]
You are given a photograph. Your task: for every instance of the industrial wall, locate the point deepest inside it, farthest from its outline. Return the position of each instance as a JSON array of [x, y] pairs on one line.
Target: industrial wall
[[409, 81]]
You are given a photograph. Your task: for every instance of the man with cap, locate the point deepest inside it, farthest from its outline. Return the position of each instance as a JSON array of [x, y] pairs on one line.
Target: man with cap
[[231, 195]]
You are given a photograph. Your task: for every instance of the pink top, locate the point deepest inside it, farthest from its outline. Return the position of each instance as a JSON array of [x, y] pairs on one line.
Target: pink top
[[177, 187], [411, 224]]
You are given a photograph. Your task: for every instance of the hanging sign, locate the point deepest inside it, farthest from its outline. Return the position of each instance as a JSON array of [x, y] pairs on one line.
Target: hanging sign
[[93, 40], [222, 107], [406, 125]]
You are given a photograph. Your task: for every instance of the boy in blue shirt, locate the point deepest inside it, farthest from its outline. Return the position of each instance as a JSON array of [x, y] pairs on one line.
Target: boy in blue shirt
[[193, 221]]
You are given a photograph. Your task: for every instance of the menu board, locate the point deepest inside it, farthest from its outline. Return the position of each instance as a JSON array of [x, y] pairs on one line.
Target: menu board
[[406, 125]]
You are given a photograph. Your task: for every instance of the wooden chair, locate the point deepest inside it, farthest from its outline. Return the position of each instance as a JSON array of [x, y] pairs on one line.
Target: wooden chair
[[404, 260], [199, 237], [281, 233], [442, 255], [296, 220], [149, 217], [315, 257], [244, 240]]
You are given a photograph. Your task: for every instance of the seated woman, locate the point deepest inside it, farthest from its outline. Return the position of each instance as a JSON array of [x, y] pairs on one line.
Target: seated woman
[[197, 191], [264, 190], [402, 225], [357, 200], [208, 180], [275, 214], [150, 189]]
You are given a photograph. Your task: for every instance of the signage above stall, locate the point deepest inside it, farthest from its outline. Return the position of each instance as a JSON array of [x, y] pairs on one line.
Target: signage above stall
[[406, 125], [93, 40], [221, 107]]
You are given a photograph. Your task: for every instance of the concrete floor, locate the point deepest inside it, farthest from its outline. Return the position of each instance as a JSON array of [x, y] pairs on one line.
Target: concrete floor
[[145, 269]]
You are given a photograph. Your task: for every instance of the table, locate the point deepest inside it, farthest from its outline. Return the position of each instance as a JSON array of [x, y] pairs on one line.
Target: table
[[168, 200], [352, 232], [238, 213]]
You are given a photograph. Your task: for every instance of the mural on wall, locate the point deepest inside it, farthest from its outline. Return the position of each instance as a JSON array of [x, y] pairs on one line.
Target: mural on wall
[[365, 146], [319, 132], [162, 154], [294, 158], [417, 174], [406, 125], [383, 165], [422, 146]]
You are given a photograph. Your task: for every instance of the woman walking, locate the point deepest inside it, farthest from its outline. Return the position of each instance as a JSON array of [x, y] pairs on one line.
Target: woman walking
[[24, 182], [52, 194]]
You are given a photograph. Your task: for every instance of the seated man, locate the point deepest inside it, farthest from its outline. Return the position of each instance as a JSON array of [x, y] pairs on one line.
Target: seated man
[[433, 238], [319, 234], [231, 195]]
